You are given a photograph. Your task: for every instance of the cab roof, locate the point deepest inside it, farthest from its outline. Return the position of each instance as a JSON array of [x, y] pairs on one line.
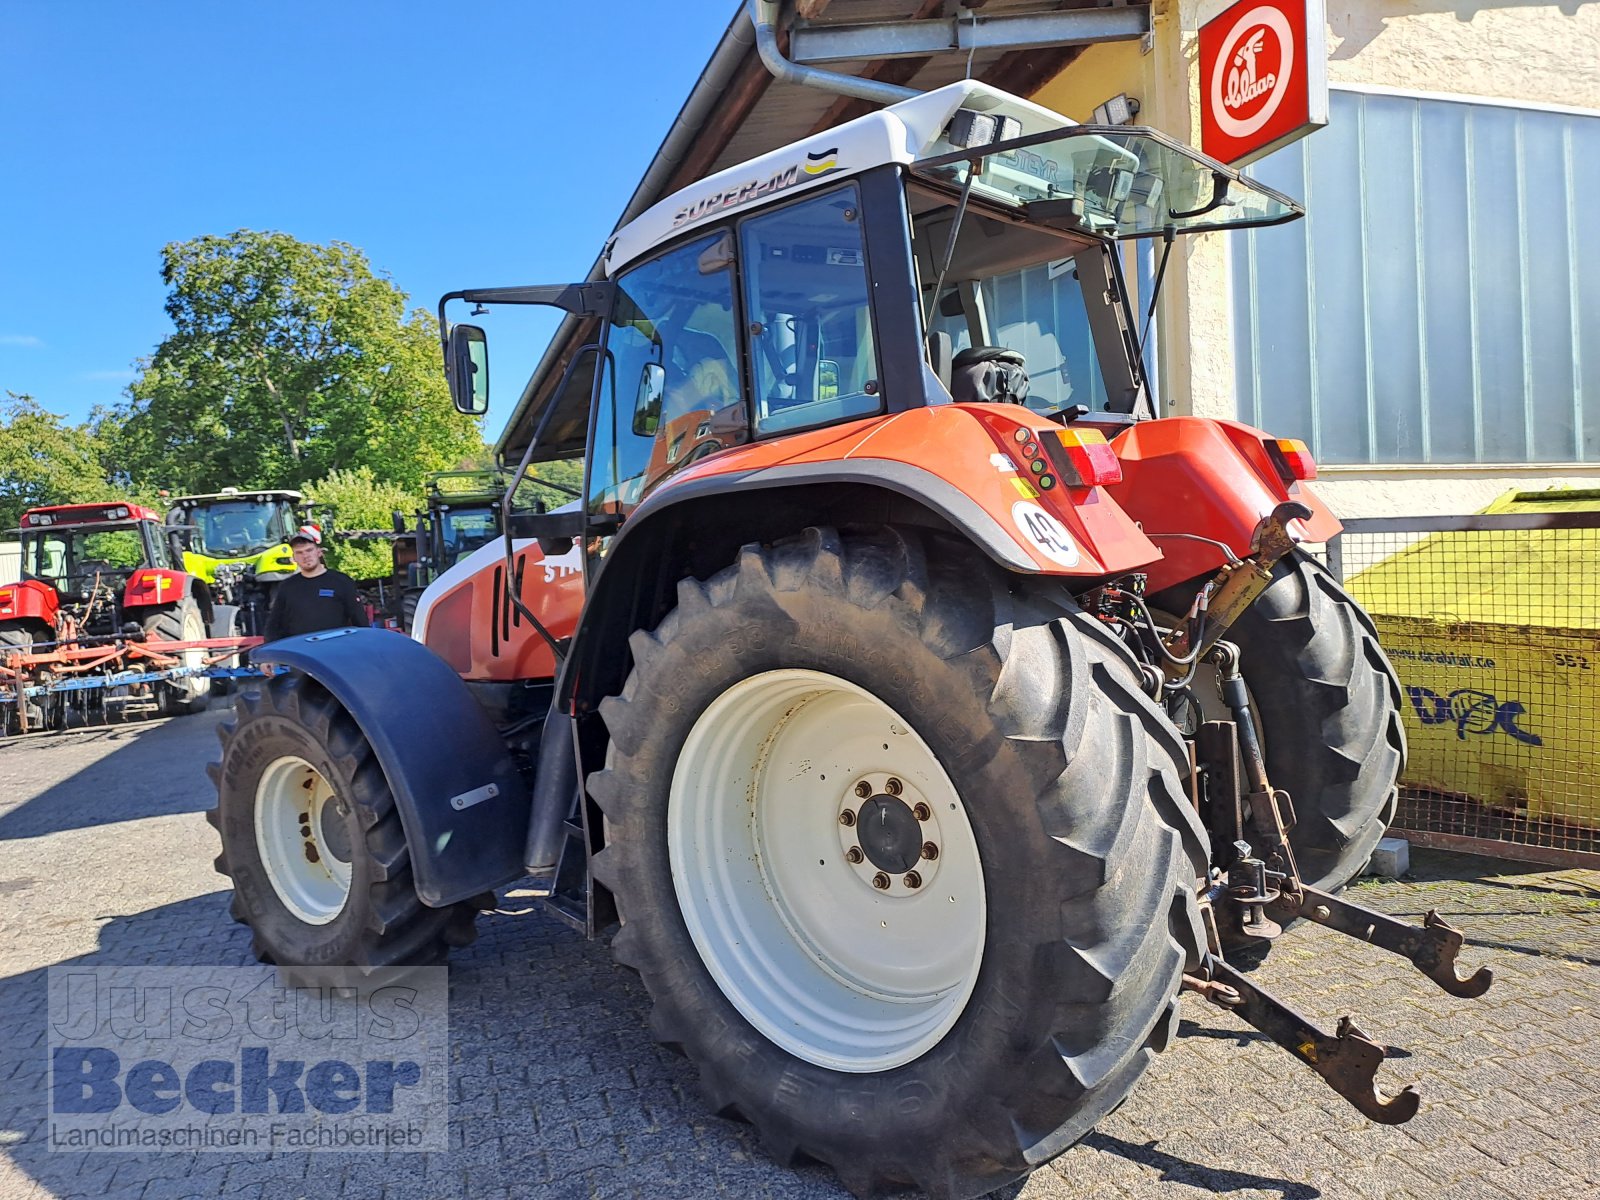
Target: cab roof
[[900, 133], [87, 514]]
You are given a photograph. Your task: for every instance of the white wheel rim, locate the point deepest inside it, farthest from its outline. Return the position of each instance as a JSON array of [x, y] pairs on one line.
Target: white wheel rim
[[293, 802], [194, 630], [834, 969]]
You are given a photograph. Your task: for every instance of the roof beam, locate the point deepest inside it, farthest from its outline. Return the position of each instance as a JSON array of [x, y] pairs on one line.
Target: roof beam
[[811, 44], [901, 71]]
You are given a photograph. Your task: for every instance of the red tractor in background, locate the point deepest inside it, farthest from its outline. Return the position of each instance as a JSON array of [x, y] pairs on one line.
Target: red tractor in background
[[92, 575]]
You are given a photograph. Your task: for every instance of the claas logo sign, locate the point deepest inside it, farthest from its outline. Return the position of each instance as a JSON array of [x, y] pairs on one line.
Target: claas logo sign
[[1263, 78]]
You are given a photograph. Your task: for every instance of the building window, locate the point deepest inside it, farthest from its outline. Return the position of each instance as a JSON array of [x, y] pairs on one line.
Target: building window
[[1441, 302]]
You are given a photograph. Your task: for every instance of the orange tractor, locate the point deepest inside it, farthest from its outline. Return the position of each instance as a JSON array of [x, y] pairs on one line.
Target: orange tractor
[[924, 715]]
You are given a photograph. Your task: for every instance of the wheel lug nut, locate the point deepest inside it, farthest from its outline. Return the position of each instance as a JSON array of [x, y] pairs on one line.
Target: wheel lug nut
[[880, 881], [930, 851], [912, 880], [921, 811], [894, 787], [853, 855], [863, 789], [847, 818]]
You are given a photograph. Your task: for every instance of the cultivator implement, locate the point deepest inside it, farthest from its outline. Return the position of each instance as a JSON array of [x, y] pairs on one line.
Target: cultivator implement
[[44, 685]]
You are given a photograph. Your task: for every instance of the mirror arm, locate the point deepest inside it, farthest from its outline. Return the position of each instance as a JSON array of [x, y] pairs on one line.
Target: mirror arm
[[579, 299]]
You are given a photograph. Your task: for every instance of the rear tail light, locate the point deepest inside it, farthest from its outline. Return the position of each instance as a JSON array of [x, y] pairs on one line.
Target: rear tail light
[[1290, 458], [1082, 457]]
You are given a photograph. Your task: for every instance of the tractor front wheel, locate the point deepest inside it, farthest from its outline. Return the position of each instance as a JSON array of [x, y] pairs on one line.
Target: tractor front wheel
[[313, 842], [180, 622], [902, 855]]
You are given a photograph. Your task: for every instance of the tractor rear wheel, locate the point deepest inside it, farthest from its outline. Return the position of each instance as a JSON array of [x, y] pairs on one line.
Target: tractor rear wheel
[[1328, 706], [312, 839], [902, 855], [180, 622]]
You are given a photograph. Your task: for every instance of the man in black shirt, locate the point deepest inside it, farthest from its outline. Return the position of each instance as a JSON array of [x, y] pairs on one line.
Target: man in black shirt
[[315, 599]]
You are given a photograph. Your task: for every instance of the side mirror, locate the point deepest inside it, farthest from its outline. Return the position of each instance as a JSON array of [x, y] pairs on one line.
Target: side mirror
[[647, 402], [467, 368], [399, 519]]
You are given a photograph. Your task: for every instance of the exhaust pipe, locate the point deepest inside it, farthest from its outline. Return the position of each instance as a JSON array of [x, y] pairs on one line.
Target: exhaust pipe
[[764, 15]]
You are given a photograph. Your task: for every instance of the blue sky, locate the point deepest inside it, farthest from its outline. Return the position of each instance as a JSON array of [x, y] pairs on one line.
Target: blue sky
[[482, 144]]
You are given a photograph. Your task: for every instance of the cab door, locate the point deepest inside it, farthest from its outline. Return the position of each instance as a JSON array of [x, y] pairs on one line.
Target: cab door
[[672, 381]]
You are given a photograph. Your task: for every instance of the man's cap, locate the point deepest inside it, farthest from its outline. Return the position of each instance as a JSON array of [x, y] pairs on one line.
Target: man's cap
[[307, 533]]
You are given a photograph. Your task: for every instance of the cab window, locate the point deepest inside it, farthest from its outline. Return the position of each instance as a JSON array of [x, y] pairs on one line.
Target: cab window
[[812, 356], [672, 391]]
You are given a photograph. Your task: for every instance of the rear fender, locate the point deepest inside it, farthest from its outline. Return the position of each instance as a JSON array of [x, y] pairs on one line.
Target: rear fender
[[975, 485], [463, 804], [29, 600], [1192, 475], [152, 586]]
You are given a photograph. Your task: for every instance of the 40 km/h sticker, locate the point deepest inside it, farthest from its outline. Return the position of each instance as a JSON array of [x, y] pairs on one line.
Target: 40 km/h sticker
[[1045, 534]]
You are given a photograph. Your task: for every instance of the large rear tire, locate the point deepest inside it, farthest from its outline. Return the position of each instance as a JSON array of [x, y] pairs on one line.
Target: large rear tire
[[1328, 704], [956, 1031], [312, 839], [180, 622]]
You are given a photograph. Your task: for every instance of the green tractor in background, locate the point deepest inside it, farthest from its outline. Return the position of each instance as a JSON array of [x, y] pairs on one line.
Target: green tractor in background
[[464, 512], [238, 543]]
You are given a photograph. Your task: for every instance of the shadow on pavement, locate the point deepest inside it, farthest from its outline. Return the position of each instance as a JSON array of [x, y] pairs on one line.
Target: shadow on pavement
[[151, 769], [1209, 1179], [556, 1088]]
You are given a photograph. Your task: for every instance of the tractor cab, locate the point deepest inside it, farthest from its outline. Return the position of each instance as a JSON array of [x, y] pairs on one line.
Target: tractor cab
[[80, 558], [232, 526], [71, 546], [463, 514], [964, 245], [237, 543]]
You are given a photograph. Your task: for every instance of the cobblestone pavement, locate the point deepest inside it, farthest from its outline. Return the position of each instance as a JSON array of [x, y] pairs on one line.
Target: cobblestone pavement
[[559, 1092]]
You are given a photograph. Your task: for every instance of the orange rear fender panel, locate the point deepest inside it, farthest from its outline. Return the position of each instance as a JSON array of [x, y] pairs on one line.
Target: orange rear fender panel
[[975, 449], [1194, 475], [150, 586]]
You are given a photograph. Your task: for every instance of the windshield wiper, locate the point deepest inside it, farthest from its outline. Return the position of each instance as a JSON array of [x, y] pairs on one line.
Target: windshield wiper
[[950, 244]]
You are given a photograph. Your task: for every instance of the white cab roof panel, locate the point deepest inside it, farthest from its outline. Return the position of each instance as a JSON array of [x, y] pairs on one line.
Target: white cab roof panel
[[901, 133]]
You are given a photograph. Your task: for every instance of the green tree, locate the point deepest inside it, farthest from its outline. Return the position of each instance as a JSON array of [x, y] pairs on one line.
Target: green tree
[[288, 360], [360, 502], [44, 460], [565, 473]]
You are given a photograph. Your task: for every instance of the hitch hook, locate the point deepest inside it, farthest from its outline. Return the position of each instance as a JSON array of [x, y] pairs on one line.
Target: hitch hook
[[1431, 947], [1348, 1061]]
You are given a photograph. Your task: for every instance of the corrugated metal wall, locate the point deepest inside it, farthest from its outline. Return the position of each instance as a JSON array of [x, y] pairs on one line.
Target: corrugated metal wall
[[1441, 302]]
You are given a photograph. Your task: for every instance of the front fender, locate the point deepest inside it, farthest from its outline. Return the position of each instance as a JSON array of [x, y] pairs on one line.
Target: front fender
[[1196, 476], [29, 600], [151, 586], [462, 801]]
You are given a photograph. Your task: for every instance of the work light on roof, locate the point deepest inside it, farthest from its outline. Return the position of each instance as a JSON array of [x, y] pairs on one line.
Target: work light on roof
[[968, 129]]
